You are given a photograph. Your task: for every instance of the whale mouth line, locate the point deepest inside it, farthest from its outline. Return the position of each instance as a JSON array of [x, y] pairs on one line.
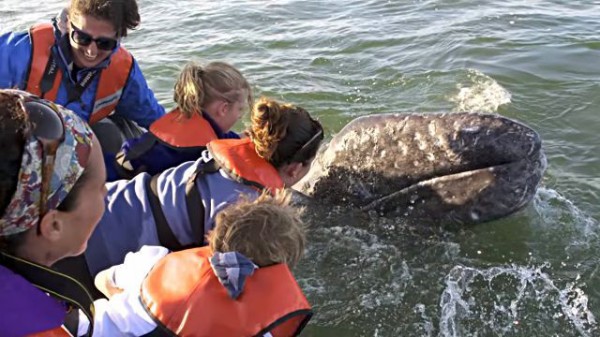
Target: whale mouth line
[[464, 170], [485, 177], [374, 204]]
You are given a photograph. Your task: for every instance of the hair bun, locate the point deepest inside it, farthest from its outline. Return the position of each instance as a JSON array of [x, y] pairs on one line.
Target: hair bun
[[269, 126]]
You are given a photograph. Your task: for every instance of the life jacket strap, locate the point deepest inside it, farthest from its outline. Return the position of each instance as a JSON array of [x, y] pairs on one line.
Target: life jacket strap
[[166, 237], [195, 209], [71, 323], [159, 331], [193, 199], [50, 72], [74, 91], [60, 286]]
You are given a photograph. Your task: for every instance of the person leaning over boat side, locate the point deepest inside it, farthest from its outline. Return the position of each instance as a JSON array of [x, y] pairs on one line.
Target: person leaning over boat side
[[51, 198], [85, 68], [210, 100], [177, 207], [239, 285]]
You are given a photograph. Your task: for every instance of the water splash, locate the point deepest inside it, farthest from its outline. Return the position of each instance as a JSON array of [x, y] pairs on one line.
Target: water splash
[[556, 210], [512, 300], [480, 93], [367, 276]]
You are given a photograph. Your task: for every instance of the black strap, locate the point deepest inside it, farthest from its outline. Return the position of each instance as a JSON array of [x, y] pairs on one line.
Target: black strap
[[195, 209], [75, 91], [71, 322], [166, 237], [58, 285], [193, 200], [49, 76], [307, 313], [160, 331]]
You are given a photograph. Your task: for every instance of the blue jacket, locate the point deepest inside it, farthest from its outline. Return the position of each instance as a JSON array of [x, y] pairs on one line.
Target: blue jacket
[[137, 101], [128, 223]]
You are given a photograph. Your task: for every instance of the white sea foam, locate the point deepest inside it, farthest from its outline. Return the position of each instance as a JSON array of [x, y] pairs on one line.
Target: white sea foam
[[497, 297], [479, 93]]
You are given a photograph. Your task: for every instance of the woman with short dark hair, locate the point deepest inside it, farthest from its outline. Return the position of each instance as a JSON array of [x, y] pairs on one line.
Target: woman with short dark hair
[[82, 67]]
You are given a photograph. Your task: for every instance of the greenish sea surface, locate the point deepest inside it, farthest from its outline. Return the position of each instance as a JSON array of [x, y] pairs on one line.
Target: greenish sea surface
[[535, 273]]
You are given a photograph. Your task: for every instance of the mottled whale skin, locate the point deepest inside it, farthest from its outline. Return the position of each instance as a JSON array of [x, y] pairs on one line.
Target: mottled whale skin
[[452, 168]]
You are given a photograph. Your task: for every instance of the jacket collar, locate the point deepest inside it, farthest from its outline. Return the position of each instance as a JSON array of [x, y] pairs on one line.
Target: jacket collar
[[220, 134]]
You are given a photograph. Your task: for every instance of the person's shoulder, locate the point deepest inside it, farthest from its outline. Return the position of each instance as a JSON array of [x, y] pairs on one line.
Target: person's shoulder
[[15, 39]]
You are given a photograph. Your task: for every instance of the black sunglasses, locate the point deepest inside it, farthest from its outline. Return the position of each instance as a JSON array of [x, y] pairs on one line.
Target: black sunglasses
[[84, 39], [309, 145]]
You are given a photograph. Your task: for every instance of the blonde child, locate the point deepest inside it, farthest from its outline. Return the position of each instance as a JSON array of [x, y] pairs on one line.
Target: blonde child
[[239, 285], [210, 100]]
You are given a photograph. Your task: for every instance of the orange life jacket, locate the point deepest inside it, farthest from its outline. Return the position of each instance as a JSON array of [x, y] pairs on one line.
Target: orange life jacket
[[239, 159], [184, 295], [110, 86], [188, 135], [176, 130], [58, 332]]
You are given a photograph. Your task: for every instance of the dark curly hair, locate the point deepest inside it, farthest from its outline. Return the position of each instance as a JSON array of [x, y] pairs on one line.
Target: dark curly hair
[[122, 14]]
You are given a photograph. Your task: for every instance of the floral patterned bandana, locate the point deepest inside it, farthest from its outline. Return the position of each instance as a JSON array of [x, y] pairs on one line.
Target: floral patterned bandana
[[72, 155]]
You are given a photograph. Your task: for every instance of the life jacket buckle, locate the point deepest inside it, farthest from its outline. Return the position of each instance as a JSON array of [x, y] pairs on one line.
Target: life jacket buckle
[[206, 156]]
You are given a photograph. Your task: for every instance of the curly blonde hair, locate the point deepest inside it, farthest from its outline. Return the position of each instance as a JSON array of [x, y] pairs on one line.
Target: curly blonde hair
[[280, 130], [267, 230], [198, 86]]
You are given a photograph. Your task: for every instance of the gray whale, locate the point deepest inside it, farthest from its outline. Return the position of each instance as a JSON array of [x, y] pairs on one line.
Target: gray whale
[[445, 169]]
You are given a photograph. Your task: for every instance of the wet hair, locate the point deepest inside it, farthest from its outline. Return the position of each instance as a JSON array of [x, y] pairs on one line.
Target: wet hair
[[267, 230], [199, 86], [284, 133], [122, 14], [14, 130]]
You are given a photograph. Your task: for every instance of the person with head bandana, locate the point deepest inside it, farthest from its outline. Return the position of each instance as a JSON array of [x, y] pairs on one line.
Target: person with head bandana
[[51, 198]]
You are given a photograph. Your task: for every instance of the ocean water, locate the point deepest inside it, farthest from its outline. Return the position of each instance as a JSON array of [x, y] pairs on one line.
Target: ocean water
[[535, 273]]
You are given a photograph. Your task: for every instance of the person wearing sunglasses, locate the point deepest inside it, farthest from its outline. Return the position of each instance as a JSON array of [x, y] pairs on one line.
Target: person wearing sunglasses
[[51, 198], [82, 67], [210, 99], [176, 208]]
